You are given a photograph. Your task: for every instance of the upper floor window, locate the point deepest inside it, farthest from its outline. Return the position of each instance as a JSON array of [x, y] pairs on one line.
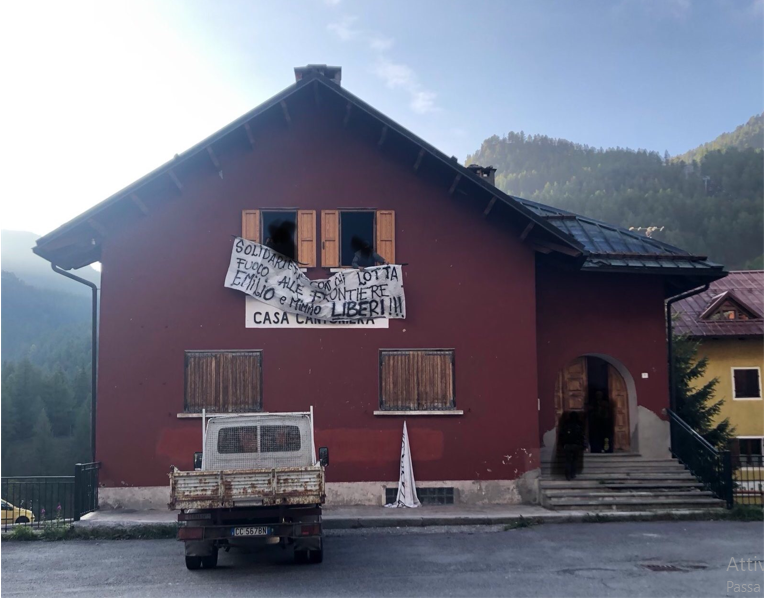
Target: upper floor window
[[345, 232], [224, 381], [746, 383], [285, 231], [731, 310]]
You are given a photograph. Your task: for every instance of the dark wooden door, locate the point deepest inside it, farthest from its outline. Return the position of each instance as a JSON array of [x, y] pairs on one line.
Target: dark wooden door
[[571, 387], [619, 401]]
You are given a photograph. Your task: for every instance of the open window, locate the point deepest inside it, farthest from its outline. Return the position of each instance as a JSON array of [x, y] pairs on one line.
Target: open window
[[340, 227], [298, 225]]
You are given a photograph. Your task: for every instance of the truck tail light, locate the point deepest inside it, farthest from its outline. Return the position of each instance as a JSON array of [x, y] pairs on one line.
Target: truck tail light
[[190, 533], [310, 530]]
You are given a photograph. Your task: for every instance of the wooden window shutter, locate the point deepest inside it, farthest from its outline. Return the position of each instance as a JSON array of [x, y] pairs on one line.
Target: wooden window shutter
[[223, 381], [250, 225], [385, 245], [417, 380], [306, 238], [330, 238]]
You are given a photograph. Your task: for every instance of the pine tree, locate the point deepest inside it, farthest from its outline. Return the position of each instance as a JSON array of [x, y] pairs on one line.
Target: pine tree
[[694, 404]]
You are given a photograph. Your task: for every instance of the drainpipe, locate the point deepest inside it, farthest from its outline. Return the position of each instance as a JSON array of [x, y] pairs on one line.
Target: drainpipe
[[94, 355], [670, 329]]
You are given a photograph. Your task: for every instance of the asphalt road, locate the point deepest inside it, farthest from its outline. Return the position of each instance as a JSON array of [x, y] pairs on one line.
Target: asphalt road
[[603, 559]]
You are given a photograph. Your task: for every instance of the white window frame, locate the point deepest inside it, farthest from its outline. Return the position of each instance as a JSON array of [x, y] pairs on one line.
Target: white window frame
[[732, 374]]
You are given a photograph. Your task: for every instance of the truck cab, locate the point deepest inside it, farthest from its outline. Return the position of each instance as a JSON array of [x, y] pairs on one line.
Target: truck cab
[[259, 482]]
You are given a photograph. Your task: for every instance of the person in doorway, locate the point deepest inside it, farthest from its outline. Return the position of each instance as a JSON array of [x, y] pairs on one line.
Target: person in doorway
[[281, 238], [572, 442], [365, 256], [601, 424]]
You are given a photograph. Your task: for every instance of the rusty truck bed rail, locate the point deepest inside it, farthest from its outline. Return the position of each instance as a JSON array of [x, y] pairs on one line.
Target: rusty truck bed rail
[[246, 487]]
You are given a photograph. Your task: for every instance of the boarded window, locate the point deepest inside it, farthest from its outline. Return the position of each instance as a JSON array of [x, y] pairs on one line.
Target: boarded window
[[416, 380], [223, 381], [746, 382]]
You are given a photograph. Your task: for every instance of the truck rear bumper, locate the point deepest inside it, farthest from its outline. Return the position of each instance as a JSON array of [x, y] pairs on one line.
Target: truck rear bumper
[[220, 527]]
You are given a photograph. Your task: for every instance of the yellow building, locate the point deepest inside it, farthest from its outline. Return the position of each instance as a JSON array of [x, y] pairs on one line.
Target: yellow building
[[727, 320]]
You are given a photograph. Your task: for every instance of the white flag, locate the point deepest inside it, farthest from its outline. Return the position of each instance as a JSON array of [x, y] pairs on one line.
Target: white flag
[[406, 486]]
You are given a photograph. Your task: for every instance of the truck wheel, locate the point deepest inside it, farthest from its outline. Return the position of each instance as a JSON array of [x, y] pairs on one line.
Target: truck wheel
[[317, 556], [193, 563], [300, 556], [22, 519], [211, 561]]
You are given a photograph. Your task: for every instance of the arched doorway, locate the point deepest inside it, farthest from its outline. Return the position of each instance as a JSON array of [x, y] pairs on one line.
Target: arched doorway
[[581, 386]]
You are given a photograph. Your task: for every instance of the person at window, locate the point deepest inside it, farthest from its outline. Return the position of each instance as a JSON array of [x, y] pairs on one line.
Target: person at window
[[364, 256], [281, 238]]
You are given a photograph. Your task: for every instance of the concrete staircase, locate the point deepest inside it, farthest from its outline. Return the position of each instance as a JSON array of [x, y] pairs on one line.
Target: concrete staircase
[[624, 482]]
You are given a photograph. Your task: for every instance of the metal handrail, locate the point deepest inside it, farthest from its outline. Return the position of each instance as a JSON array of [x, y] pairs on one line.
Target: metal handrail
[[679, 421], [709, 465]]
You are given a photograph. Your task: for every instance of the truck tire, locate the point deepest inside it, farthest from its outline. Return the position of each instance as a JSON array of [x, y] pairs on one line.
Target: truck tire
[[193, 563], [317, 556], [300, 557], [211, 561]]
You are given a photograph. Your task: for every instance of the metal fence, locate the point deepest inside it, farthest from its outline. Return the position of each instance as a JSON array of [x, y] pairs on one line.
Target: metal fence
[[749, 479], [49, 500]]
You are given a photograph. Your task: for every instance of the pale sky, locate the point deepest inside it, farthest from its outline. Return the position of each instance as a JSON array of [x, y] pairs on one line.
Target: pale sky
[[97, 94]]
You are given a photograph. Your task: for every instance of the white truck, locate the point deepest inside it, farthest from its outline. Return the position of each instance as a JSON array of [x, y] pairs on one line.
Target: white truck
[[258, 482]]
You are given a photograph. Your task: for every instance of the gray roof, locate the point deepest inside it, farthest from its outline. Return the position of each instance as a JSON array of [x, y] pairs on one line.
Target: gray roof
[[612, 247]]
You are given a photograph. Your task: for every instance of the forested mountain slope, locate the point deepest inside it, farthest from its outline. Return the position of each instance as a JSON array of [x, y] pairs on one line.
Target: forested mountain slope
[[749, 135], [712, 207]]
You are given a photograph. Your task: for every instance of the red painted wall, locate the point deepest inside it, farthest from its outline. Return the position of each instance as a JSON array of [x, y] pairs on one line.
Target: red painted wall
[[469, 286], [618, 315]]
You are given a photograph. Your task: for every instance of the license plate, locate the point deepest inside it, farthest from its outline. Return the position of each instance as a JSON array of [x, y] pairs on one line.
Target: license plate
[[251, 531]]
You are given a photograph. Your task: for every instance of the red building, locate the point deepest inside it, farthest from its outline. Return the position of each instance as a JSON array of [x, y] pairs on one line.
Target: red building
[[522, 309]]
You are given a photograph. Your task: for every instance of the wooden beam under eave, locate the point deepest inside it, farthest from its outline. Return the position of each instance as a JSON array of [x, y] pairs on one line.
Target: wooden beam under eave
[[540, 248], [175, 180], [285, 110], [490, 206], [382, 137], [213, 157], [564, 249], [346, 120], [97, 227], [419, 158], [527, 230], [454, 184], [250, 136], [139, 204]]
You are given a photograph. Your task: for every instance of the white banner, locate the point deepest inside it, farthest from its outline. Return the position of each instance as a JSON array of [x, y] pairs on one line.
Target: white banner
[[269, 277], [261, 315]]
